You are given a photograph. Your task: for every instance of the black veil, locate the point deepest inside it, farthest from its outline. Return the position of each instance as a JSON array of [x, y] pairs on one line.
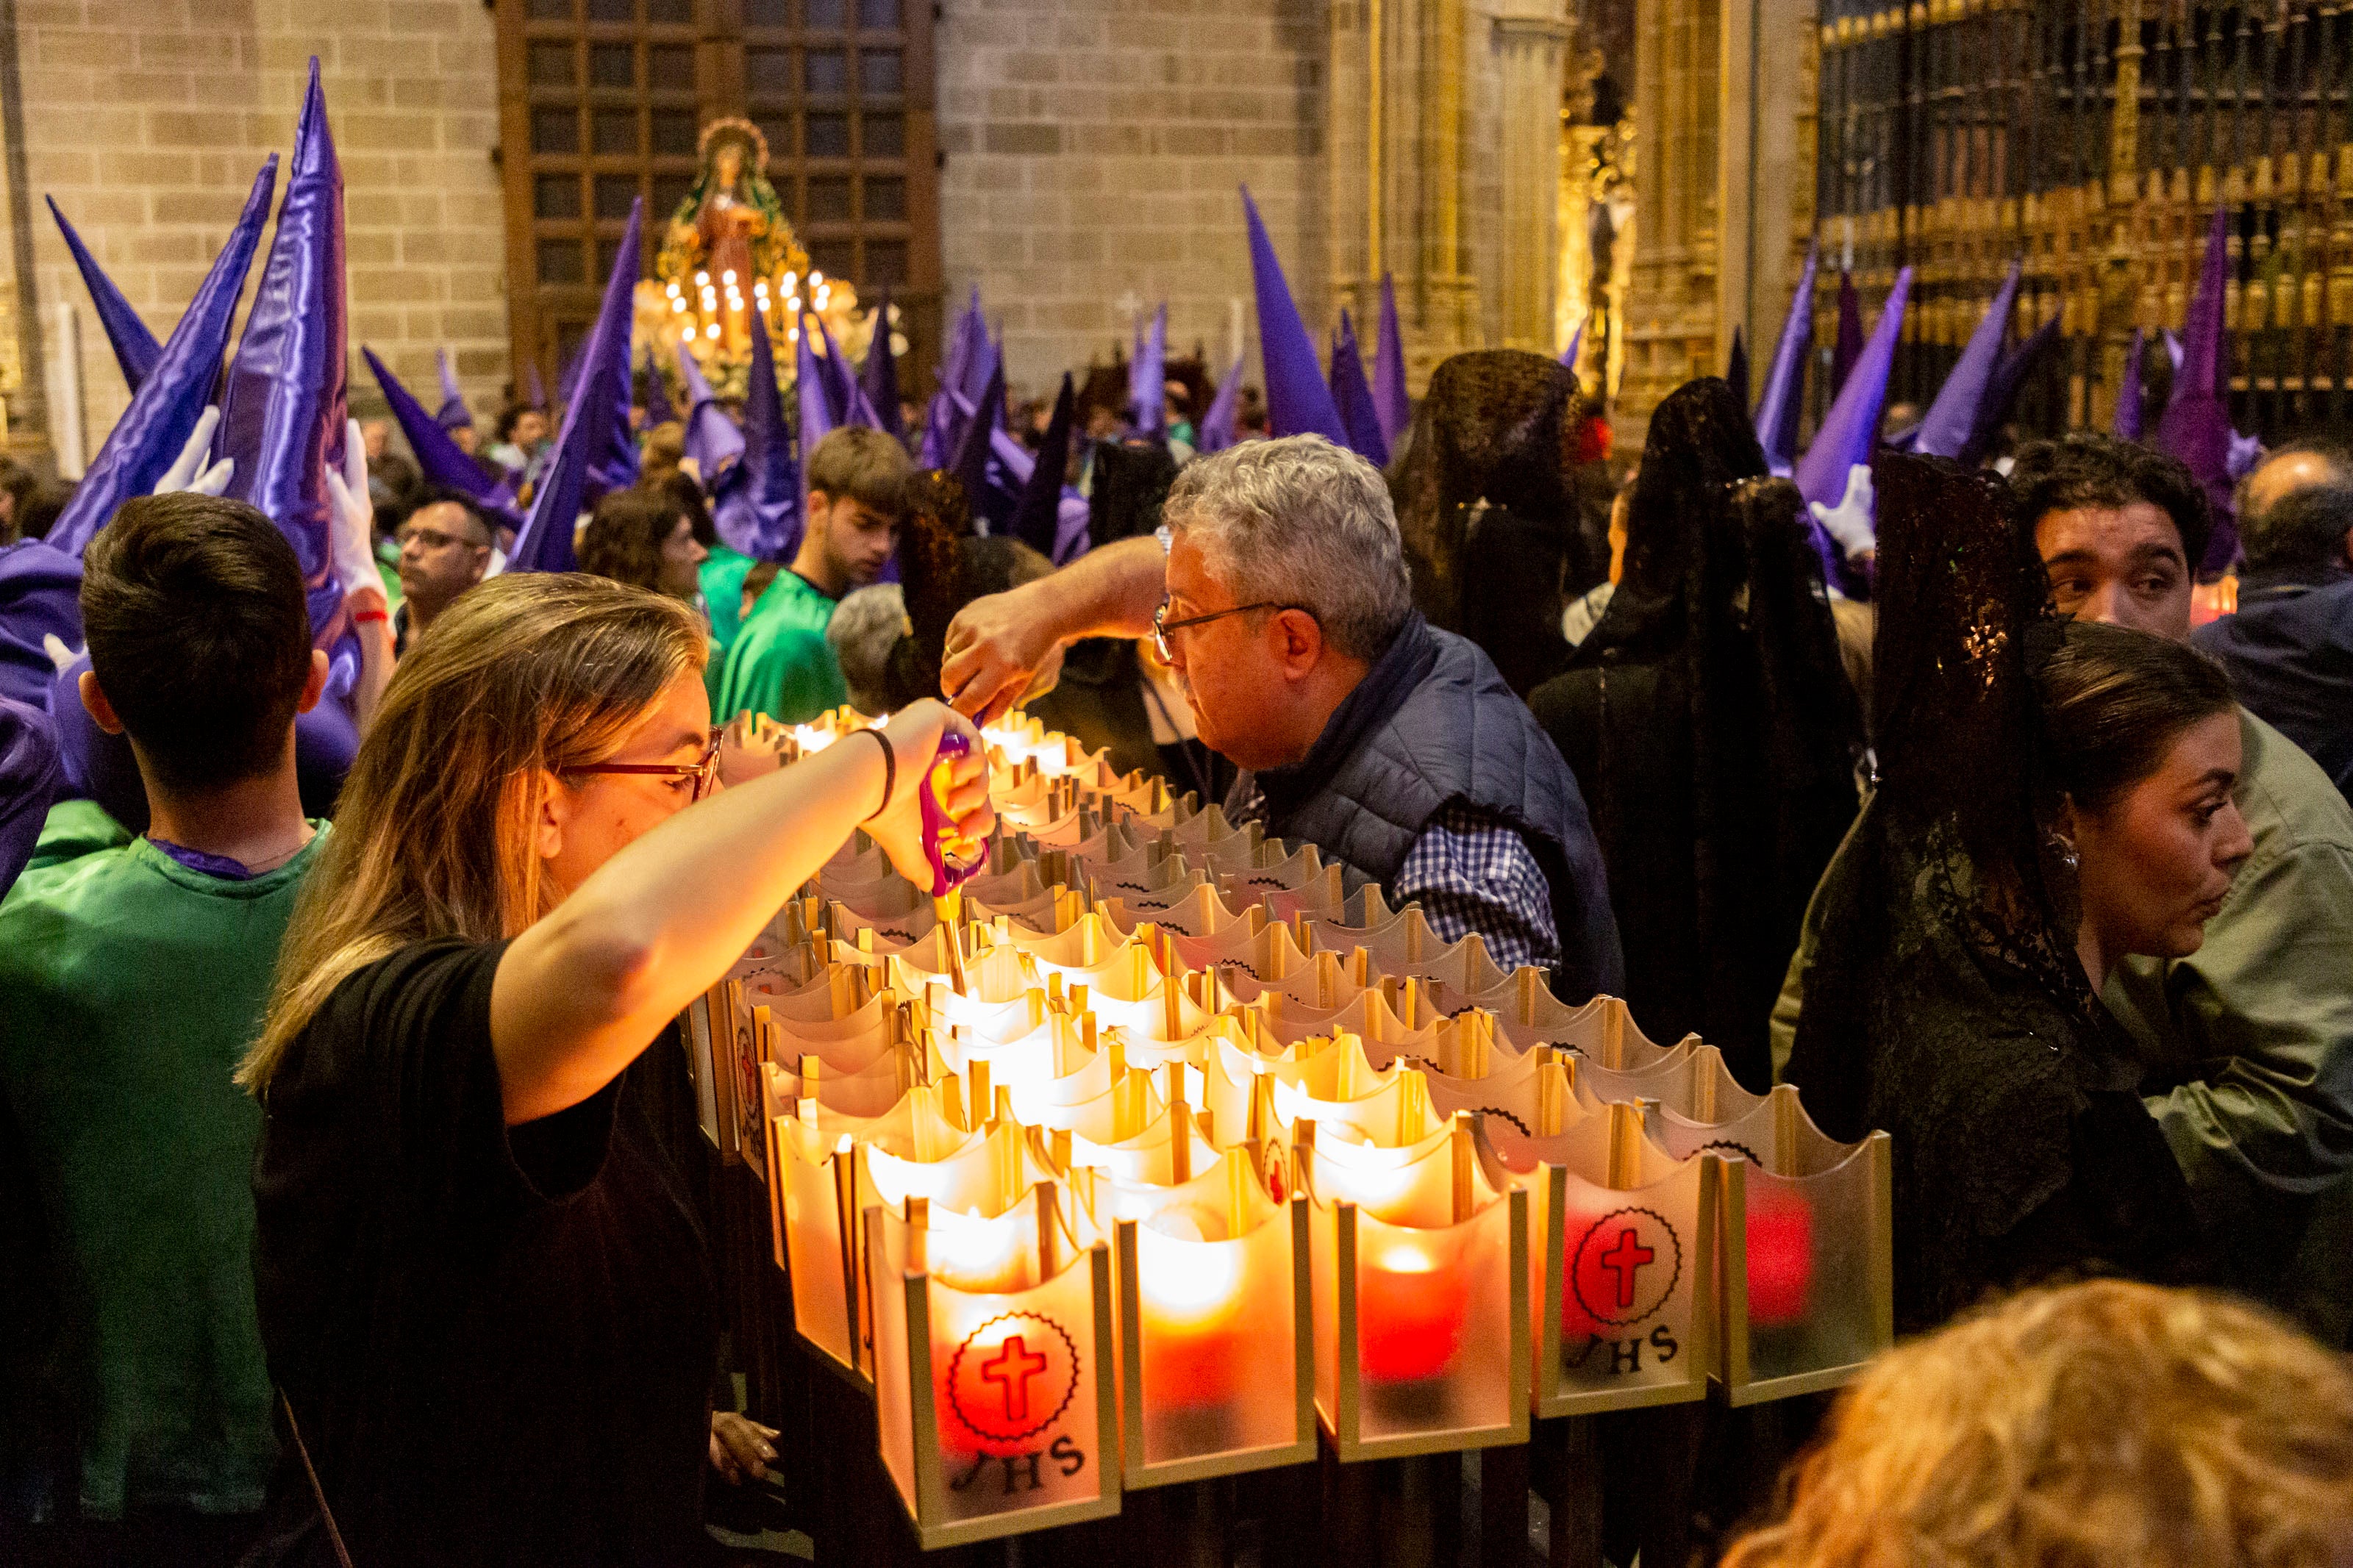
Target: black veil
[[1713, 730], [1945, 1002], [1487, 511]]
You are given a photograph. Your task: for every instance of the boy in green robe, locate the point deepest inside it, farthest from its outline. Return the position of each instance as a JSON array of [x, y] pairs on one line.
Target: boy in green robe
[[133, 1389], [780, 664]]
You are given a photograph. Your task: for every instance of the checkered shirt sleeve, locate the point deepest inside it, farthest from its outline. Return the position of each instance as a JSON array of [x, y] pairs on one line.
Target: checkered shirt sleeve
[[1470, 871]]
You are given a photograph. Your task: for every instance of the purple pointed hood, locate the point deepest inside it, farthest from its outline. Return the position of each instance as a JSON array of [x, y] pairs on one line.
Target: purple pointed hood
[[1297, 401], [283, 417], [535, 389], [1952, 418], [1036, 516], [712, 438], [453, 412], [2127, 421], [817, 420], [2001, 391], [968, 337], [1576, 344], [879, 377], [1785, 379], [2196, 426], [135, 348], [545, 542], [658, 405], [983, 479], [1847, 348], [172, 397], [964, 373], [30, 777], [1216, 431], [1851, 428], [1735, 367], [41, 587], [1148, 381], [1009, 461], [844, 394], [439, 459], [756, 505], [1391, 403], [1353, 397]]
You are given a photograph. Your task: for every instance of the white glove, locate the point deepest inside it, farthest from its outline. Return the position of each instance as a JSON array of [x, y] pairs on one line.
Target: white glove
[[188, 472], [59, 654], [350, 521], [1850, 522]]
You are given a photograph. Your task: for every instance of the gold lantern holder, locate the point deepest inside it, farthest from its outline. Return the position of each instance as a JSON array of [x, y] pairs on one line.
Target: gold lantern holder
[[1812, 1223], [1217, 1336], [1627, 1282], [998, 1413], [1421, 1330]]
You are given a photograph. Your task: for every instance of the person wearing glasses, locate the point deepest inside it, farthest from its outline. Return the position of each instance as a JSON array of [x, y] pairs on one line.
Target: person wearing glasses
[[486, 1302], [1276, 591], [445, 549]]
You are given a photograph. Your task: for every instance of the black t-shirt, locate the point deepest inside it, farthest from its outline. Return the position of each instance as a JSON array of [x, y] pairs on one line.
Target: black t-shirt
[[498, 1342]]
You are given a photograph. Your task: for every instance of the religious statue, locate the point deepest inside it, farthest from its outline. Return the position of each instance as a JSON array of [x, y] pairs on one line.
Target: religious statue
[[729, 251], [729, 254]]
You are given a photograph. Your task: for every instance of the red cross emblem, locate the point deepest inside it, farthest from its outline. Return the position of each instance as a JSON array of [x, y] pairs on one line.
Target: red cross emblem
[[1013, 1369], [1625, 1260], [1011, 1378], [1622, 1267]]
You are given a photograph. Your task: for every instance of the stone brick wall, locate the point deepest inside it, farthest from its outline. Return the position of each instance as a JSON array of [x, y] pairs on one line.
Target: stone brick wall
[[147, 119], [1093, 150]]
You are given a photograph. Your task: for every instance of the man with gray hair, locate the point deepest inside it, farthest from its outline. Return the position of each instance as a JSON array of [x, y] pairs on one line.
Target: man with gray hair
[[1276, 589]]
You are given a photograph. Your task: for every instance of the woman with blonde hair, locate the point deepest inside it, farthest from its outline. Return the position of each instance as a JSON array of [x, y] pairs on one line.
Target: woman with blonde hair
[[2099, 1426], [482, 1292]]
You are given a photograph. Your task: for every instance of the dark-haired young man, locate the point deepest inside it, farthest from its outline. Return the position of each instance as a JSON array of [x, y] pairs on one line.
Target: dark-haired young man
[[779, 663], [138, 1407], [2289, 648], [445, 549]]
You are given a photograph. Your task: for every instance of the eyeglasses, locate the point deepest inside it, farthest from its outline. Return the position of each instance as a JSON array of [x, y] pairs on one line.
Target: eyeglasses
[[431, 538], [701, 771], [1162, 625]]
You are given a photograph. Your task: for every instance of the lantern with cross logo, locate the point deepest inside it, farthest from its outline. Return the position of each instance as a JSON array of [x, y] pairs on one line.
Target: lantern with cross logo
[[997, 1412]]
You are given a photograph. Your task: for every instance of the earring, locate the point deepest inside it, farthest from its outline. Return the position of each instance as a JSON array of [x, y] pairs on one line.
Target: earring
[[2066, 848]]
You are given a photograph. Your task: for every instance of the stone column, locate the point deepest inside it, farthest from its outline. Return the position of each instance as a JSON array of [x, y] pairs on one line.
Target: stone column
[[1530, 39], [1765, 168], [1672, 316], [22, 370]]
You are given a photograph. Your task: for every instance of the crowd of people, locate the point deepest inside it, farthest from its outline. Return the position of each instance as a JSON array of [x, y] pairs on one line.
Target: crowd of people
[[339, 1187]]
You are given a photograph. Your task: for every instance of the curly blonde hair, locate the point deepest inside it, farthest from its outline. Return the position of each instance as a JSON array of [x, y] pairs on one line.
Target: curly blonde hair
[[2094, 1425]]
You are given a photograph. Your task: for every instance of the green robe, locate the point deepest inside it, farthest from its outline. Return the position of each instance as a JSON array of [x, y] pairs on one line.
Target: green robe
[[133, 988], [722, 573], [780, 663]]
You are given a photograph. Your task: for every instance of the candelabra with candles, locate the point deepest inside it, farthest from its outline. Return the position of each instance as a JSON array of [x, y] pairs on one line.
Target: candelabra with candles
[[1156, 1150]]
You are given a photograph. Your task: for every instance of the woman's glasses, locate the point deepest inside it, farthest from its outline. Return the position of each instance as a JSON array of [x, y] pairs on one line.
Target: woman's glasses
[[701, 771]]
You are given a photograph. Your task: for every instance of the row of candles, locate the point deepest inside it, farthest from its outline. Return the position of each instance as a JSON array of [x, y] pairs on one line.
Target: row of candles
[[1156, 1148]]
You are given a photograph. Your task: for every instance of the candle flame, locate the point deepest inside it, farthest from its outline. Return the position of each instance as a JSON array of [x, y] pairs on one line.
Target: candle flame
[[1402, 1258]]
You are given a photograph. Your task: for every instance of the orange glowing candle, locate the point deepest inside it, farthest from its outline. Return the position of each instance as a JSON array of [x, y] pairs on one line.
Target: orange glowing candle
[[1411, 1314], [1193, 1353]]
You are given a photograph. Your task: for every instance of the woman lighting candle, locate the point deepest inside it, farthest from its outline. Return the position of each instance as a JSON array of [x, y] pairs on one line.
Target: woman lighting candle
[[483, 1292]]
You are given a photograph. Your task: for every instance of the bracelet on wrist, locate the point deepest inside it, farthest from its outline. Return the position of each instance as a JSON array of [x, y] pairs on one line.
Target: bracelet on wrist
[[890, 772]]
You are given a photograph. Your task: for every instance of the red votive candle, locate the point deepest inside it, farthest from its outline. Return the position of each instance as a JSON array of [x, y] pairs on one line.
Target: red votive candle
[[1780, 1258], [1411, 1313]]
